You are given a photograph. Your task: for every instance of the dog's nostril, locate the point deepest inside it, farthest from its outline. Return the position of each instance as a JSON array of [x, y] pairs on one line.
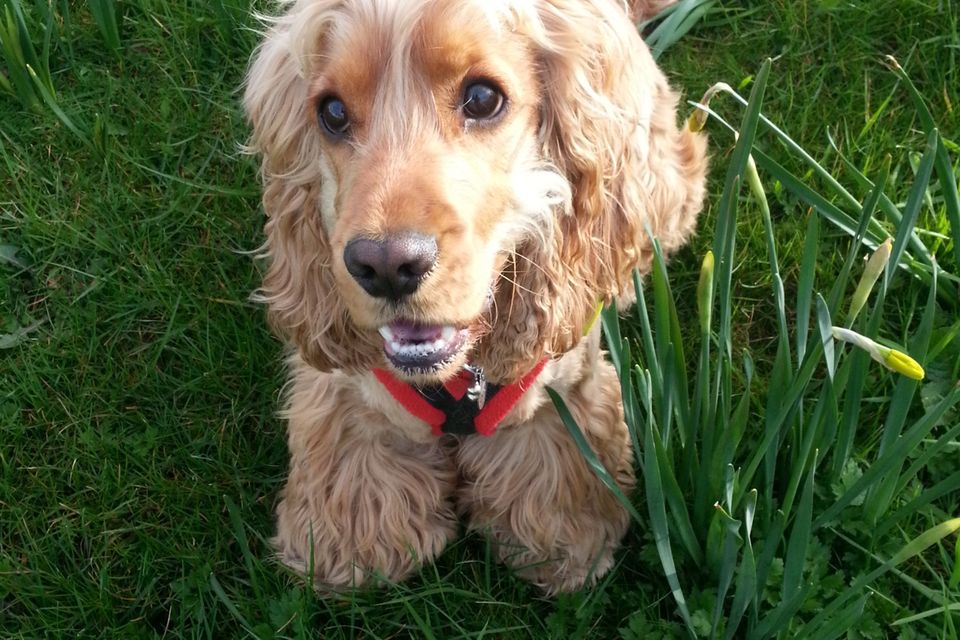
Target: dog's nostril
[[393, 267]]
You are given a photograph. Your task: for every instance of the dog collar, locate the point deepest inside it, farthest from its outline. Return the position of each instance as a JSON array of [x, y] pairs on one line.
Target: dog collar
[[464, 405]]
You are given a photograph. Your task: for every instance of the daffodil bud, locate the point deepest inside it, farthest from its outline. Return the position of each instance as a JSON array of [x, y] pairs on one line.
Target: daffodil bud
[[698, 119], [753, 179], [705, 293], [871, 273], [903, 364], [890, 358]]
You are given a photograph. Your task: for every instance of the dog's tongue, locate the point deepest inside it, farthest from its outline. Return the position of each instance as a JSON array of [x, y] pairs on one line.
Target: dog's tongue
[[405, 331], [412, 346]]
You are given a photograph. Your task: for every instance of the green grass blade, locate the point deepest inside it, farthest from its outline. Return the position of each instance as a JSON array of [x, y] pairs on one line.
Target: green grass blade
[[827, 209], [853, 391], [753, 179], [842, 622], [721, 445], [18, 54], [589, 455], [240, 534], [808, 271], [799, 540], [824, 174], [784, 408], [942, 445], [955, 574], [778, 620], [911, 210], [806, 447], [919, 267], [933, 595], [878, 500], [221, 594], [825, 325], [677, 503], [723, 248], [727, 562], [893, 458], [945, 174], [610, 323], [771, 543], [658, 523], [913, 548], [953, 606], [888, 207], [746, 590], [105, 15], [773, 423], [649, 353], [51, 102], [725, 245], [866, 216], [670, 340], [720, 398], [677, 20], [621, 357], [948, 486]]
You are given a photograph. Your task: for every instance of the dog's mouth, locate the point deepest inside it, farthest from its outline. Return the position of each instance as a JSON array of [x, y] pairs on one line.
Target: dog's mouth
[[422, 348]]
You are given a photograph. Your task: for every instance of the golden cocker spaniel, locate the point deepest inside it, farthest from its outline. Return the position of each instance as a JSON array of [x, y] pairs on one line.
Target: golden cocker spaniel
[[451, 189]]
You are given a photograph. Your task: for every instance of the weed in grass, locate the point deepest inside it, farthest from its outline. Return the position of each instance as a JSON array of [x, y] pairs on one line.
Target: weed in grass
[[28, 71]]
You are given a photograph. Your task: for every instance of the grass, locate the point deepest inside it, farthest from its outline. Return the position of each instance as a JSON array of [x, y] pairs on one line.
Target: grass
[[140, 455]]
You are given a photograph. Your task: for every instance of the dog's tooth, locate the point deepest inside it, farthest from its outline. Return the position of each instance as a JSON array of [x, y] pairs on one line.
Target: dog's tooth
[[395, 346], [387, 333], [448, 334]]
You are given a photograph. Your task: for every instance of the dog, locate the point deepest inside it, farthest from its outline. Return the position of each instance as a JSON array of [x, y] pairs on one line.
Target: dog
[[452, 187]]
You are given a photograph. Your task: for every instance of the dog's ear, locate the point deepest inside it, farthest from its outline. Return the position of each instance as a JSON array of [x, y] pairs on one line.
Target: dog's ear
[[298, 286], [609, 126]]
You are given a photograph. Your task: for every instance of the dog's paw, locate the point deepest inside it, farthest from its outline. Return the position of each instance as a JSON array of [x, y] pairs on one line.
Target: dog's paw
[[371, 517], [564, 567]]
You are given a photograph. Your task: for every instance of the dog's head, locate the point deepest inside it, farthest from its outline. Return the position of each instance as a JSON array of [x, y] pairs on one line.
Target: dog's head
[[454, 179]]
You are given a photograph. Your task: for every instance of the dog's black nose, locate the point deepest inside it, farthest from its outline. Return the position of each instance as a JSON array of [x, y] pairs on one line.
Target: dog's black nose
[[393, 267]]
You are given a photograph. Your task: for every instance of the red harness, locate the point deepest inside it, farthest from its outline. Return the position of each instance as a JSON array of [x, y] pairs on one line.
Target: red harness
[[449, 408]]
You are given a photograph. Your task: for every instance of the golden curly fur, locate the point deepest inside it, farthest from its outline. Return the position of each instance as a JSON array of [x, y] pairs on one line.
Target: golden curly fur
[[536, 215]]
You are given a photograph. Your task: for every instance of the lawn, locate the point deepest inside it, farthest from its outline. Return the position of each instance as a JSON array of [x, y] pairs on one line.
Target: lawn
[[141, 454]]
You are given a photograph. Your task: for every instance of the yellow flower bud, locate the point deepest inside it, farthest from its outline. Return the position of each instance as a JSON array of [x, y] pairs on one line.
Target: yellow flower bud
[[705, 293], [871, 272], [890, 358], [903, 364], [698, 119]]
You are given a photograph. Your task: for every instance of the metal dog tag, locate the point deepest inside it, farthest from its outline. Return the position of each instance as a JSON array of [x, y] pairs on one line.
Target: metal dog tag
[[478, 390]]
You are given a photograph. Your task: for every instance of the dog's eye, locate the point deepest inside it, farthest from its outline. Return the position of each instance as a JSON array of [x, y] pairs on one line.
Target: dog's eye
[[482, 101], [333, 116]]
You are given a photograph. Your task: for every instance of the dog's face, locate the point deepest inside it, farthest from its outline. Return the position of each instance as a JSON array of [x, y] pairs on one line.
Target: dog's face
[[428, 123], [448, 179]]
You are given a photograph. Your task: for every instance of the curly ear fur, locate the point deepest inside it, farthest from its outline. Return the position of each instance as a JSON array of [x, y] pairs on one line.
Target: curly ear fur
[[298, 286], [609, 122]]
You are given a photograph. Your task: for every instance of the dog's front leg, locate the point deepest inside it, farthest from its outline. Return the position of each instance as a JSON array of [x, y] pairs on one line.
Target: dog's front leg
[[363, 503], [530, 490]]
